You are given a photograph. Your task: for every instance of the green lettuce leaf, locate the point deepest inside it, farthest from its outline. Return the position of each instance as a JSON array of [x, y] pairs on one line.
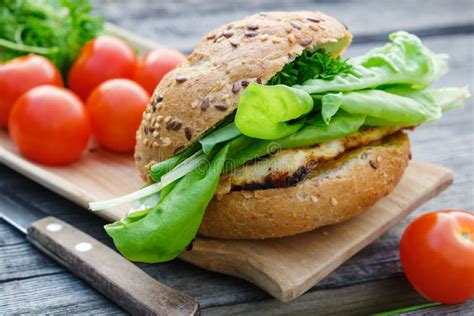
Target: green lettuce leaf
[[396, 106], [163, 232], [269, 112], [403, 61], [219, 136]]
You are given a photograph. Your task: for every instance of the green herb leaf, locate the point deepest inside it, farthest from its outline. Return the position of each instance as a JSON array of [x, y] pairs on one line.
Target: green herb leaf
[[310, 65], [163, 232], [55, 29], [271, 112]]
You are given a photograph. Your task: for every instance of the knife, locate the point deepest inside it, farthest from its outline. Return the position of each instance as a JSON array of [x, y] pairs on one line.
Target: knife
[[104, 269]]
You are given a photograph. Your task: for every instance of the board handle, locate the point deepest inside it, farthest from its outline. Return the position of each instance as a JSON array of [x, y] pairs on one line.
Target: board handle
[[107, 271]]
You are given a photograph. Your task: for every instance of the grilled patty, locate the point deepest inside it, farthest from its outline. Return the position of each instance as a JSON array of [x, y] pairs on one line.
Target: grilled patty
[[289, 166]]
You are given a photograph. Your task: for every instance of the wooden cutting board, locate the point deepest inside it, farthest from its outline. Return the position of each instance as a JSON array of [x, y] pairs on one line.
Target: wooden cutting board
[[284, 267]]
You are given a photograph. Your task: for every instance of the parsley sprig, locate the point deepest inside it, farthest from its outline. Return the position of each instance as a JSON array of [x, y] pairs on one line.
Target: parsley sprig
[[310, 65], [56, 29]]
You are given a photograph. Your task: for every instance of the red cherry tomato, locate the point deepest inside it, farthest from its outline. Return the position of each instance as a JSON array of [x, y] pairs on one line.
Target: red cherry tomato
[[101, 59], [155, 65], [116, 108], [20, 75], [50, 125], [437, 255]]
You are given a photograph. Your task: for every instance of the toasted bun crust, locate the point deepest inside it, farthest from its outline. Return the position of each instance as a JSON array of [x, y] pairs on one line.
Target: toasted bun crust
[[332, 194], [202, 91]]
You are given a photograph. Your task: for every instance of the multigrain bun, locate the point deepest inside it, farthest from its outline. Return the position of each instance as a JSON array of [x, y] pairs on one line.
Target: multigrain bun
[[206, 88], [331, 194]]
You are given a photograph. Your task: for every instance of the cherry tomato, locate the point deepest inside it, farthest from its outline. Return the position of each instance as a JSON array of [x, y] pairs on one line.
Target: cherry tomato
[[50, 125], [116, 108], [20, 75], [437, 255], [155, 65], [101, 59]]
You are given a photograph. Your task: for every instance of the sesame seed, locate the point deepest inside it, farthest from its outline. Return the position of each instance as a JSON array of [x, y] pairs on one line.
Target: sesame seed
[[159, 99], [181, 79], [155, 134], [296, 25], [306, 42], [374, 164], [314, 28], [157, 125], [313, 20], [314, 199], [168, 118], [155, 144], [364, 156], [205, 104], [252, 27], [220, 39], [258, 80], [234, 43], [228, 34], [379, 158], [165, 141], [245, 83], [147, 116], [235, 87], [145, 142], [264, 38], [159, 118], [291, 38], [333, 201], [188, 132], [325, 233], [145, 129], [345, 26], [221, 107], [229, 26], [276, 40], [211, 36], [251, 34]]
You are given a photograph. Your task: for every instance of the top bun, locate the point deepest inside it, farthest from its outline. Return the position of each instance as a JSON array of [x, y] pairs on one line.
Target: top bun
[[206, 88]]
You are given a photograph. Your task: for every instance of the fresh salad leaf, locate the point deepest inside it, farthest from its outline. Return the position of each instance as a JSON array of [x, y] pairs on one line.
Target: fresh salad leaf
[[403, 61], [55, 29], [397, 106], [163, 232], [269, 112], [219, 136], [318, 64]]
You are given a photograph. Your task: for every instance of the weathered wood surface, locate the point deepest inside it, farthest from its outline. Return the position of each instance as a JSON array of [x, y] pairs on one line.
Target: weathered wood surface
[[33, 283]]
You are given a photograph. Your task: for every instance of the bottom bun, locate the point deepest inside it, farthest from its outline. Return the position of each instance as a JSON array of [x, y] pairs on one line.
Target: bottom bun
[[332, 193]]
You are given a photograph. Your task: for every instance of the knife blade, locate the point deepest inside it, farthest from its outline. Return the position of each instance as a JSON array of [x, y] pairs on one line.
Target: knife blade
[[104, 269]]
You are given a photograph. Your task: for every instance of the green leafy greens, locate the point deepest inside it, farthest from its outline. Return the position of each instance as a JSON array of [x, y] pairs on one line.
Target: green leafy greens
[[310, 65], [56, 29], [266, 111], [314, 99]]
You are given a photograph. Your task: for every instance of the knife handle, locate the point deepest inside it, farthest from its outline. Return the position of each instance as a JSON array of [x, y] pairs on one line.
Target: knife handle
[[107, 271]]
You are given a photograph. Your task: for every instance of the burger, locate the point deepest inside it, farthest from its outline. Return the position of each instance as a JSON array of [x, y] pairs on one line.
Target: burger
[[265, 132]]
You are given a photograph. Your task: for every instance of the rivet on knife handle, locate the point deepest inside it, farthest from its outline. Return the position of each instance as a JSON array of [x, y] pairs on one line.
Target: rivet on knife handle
[[107, 271]]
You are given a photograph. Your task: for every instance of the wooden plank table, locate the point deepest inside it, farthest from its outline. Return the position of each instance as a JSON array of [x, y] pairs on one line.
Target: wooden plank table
[[372, 280]]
